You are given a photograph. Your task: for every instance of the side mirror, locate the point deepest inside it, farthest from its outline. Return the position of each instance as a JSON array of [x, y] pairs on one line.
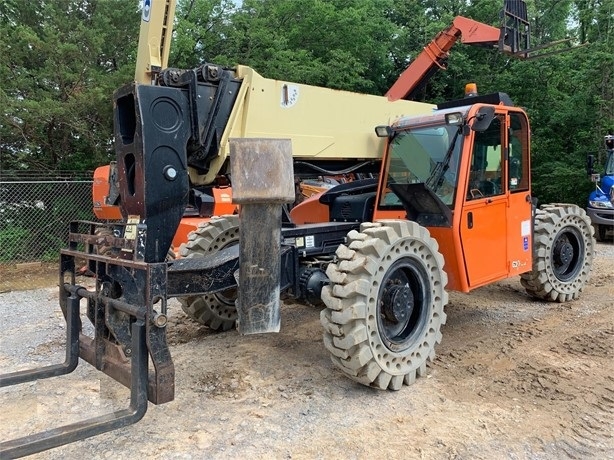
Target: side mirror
[[590, 169], [483, 119], [590, 165]]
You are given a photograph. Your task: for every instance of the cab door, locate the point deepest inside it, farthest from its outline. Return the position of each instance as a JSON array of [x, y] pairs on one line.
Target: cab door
[[483, 225], [496, 226], [519, 214]]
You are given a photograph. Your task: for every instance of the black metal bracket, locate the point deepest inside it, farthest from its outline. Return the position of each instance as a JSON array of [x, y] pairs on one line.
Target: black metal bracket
[[515, 30], [516, 34], [128, 332]]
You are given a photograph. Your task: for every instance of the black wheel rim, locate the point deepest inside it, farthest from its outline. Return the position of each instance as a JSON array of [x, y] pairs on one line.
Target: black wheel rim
[[403, 304], [567, 254], [227, 297]]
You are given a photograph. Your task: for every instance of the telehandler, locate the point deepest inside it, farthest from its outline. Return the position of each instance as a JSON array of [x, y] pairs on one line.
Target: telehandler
[[442, 200]]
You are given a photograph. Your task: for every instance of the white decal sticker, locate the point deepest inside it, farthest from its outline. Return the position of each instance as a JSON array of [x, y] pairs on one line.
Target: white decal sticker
[[289, 95], [130, 231], [310, 241], [517, 264], [146, 15], [525, 228]]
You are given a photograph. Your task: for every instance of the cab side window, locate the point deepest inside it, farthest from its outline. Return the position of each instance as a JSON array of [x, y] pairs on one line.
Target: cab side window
[[518, 169], [487, 161]]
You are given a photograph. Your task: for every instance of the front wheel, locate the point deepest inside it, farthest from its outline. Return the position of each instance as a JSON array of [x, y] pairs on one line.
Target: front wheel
[[385, 304], [563, 252]]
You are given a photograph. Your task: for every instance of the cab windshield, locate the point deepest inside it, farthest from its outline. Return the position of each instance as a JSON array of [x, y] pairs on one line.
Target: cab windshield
[[609, 165], [427, 155]]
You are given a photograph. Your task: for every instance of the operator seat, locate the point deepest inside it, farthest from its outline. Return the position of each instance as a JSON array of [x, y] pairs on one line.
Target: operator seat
[[487, 187]]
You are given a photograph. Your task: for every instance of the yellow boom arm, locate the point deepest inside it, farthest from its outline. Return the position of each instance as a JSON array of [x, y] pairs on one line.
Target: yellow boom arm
[[154, 39]]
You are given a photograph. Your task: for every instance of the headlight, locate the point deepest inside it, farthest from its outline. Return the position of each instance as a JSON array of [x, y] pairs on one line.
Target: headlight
[[600, 204]]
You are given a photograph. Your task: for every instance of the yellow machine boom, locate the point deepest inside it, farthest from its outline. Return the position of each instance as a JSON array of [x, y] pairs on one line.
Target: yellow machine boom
[[323, 124], [154, 39]]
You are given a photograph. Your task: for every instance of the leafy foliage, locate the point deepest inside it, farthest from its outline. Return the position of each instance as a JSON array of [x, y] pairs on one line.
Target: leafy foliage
[[35, 217], [62, 59]]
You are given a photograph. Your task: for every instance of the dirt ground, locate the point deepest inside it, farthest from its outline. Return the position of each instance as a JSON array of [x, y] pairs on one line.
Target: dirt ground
[[514, 379], [22, 277]]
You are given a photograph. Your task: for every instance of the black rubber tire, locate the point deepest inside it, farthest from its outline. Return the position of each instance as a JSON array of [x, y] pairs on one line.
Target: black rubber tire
[[103, 232], [216, 311], [563, 252], [108, 250], [370, 341]]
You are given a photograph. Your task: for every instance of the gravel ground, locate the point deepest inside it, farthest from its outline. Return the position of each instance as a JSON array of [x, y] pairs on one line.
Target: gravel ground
[[513, 379]]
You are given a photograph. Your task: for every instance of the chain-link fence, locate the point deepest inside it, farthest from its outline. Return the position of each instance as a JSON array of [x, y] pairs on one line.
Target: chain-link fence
[[35, 211]]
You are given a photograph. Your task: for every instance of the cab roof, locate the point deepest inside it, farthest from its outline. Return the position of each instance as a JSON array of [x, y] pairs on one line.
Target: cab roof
[[492, 98]]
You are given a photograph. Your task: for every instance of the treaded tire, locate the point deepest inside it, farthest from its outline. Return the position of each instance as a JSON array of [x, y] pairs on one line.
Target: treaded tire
[[563, 251], [103, 232], [216, 311], [370, 329], [109, 250]]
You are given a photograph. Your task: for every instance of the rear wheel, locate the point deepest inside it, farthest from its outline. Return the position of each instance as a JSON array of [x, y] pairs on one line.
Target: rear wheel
[[385, 304], [216, 311], [562, 255]]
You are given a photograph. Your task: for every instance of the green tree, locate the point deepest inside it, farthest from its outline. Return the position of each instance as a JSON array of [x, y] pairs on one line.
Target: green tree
[[202, 30], [336, 43], [63, 59], [569, 96], [61, 62]]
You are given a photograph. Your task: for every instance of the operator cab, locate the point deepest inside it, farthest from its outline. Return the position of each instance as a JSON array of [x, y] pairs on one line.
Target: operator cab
[[463, 172], [423, 158]]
